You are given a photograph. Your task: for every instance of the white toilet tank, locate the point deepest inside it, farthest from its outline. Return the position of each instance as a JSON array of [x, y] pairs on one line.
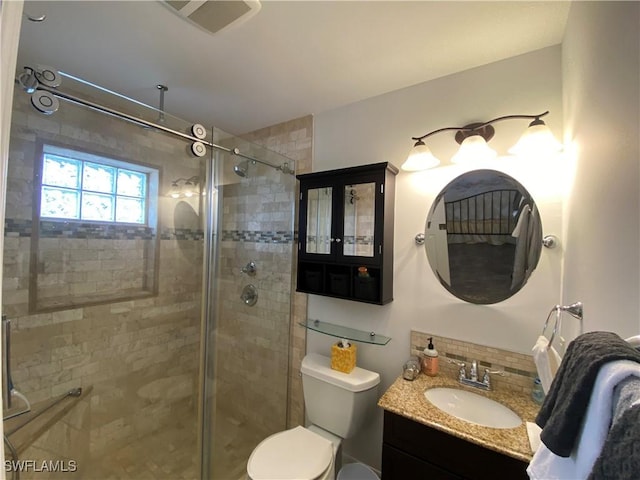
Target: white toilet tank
[[335, 401]]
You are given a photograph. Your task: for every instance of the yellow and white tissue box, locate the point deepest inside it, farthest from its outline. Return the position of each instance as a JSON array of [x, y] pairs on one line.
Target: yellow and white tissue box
[[343, 359]]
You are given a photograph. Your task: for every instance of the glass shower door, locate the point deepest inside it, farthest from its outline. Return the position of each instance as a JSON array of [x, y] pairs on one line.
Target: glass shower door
[[248, 361], [102, 283]]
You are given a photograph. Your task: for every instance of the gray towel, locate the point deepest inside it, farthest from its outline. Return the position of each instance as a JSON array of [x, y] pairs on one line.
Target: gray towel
[[564, 408], [620, 455], [625, 395]]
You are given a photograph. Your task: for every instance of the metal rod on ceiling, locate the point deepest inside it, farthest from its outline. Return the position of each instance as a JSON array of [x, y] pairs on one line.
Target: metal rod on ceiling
[[140, 121]]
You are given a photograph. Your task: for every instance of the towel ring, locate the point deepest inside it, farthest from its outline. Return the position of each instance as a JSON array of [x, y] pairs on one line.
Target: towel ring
[[556, 309], [575, 310]]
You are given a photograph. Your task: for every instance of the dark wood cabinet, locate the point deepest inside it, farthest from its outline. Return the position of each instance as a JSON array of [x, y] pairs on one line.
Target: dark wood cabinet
[[412, 450], [345, 240]]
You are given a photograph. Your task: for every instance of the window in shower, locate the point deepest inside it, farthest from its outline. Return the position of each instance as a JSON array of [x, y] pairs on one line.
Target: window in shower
[[98, 189], [94, 229]]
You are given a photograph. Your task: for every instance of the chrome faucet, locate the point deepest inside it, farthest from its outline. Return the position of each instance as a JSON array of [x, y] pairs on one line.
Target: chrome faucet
[[462, 373], [472, 379], [473, 373]]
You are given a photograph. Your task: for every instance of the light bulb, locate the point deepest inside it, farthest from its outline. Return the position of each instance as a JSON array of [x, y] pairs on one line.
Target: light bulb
[[474, 149], [420, 158], [536, 141]]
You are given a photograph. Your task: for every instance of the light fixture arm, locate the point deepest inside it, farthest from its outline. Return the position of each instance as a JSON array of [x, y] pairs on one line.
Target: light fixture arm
[[478, 126]]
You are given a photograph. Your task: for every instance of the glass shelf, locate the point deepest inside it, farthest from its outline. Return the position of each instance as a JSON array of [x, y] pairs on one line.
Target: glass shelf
[[345, 332]]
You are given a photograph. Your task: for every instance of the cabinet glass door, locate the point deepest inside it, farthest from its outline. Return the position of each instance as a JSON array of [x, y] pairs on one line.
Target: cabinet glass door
[[319, 209], [359, 219]]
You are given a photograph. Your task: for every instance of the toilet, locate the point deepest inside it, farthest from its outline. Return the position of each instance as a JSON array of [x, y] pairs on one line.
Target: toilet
[[337, 404]]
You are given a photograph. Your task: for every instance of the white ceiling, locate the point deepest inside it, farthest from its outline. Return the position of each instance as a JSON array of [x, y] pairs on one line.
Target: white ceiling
[[291, 59]]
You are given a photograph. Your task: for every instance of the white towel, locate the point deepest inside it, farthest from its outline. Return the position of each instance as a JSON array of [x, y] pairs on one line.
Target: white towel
[[548, 466], [533, 432], [633, 341], [547, 362], [554, 360]]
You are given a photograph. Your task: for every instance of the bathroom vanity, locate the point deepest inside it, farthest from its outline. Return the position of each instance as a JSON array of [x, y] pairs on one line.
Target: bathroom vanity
[[421, 441]]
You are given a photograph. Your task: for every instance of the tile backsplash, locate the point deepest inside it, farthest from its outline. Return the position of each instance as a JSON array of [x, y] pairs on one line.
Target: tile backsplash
[[519, 368]]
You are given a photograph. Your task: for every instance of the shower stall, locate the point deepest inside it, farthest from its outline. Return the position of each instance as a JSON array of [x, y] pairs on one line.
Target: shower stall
[[147, 270]]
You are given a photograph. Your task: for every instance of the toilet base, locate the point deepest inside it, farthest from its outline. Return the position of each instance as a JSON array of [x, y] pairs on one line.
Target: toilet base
[[337, 446]]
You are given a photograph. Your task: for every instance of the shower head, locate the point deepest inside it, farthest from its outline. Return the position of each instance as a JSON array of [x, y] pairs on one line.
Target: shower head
[[241, 168]]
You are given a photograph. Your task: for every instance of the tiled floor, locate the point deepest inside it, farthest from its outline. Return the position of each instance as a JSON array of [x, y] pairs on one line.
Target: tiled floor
[[172, 454], [232, 445]]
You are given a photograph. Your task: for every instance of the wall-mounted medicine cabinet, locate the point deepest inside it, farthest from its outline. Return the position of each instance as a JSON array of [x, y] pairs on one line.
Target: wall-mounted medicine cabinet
[[345, 241]]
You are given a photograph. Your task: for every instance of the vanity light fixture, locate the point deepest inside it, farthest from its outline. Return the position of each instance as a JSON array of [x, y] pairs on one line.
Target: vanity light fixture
[[184, 187], [473, 138]]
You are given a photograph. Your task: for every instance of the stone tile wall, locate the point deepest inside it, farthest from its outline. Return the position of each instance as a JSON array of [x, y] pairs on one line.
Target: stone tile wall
[[294, 139], [520, 371], [141, 355]]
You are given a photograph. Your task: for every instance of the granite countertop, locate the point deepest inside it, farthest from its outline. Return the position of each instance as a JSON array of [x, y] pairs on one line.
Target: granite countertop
[[406, 398]]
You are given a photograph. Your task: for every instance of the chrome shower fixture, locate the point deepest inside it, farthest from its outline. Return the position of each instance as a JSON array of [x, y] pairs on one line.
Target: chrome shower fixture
[[163, 89], [28, 80], [45, 102], [241, 168], [31, 78], [34, 18], [284, 168], [42, 81]]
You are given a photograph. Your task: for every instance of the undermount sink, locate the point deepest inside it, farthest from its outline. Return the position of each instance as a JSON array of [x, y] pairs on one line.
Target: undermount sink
[[472, 408]]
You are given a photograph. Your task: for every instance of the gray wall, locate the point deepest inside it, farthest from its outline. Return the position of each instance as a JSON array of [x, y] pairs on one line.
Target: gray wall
[[601, 77]]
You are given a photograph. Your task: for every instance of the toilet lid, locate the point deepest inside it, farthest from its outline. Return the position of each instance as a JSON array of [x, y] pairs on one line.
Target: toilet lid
[[293, 454]]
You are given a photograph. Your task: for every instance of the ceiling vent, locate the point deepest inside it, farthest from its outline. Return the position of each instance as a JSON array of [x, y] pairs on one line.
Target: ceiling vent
[[215, 15]]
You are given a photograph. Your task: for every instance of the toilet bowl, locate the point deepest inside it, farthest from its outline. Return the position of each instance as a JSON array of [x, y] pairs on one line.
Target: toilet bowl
[[299, 453], [337, 405]]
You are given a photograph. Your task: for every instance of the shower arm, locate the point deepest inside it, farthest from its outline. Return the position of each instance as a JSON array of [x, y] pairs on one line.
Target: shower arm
[[284, 168]]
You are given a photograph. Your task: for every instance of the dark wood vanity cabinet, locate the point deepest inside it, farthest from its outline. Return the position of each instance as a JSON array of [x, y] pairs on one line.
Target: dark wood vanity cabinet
[[412, 450], [345, 240]]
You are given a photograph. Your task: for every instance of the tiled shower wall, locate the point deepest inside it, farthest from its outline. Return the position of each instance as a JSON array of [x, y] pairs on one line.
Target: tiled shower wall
[[139, 354], [294, 139]]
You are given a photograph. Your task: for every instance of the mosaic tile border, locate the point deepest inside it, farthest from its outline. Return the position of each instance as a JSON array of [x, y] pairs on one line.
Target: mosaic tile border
[[84, 230], [257, 236], [181, 234]]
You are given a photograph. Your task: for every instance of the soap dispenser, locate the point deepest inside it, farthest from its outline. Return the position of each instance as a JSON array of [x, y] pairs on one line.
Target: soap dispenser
[[430, 359]]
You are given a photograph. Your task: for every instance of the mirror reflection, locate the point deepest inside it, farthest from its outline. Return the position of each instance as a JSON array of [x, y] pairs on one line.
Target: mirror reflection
[[359, 219], [483, 236], [319, 207]]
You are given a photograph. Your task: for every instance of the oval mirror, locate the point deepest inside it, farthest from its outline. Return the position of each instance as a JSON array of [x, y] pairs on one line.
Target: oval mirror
[[483, 236]]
